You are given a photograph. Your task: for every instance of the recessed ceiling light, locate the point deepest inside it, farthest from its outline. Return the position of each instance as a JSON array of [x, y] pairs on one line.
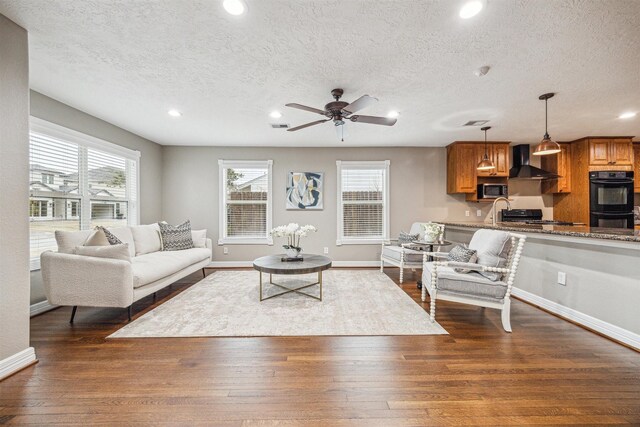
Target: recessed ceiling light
[[275, 114], [627, 115], [393, 114], [174, 113], [234, 7], [470, 9]]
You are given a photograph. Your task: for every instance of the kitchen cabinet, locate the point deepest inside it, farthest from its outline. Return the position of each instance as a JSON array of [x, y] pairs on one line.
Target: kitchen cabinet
[[636, 167], [462, 162], [559, 164], [461, 168], [499, 154], [615, 152]]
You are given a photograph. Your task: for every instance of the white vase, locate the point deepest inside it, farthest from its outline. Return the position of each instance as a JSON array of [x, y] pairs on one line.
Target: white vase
[[431, 237], [293, 253]]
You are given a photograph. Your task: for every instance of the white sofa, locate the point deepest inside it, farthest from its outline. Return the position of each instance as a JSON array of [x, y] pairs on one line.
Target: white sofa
[[78, 280]]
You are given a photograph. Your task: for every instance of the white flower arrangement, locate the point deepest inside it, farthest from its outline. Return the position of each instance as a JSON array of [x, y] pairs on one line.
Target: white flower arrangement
[[431, 231], [293, 232]]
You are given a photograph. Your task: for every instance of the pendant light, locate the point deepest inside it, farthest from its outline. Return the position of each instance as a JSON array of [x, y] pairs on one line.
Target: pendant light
[[485, 164], [546, 146]]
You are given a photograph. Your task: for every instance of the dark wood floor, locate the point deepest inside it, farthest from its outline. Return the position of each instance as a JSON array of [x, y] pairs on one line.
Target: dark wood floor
[[547, 371]]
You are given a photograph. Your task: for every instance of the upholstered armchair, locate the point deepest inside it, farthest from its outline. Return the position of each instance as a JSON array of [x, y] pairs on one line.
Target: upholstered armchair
[[486, 283], [402, 254]]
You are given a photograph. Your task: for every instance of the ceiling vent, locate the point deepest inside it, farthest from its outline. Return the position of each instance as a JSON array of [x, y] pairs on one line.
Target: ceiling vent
[[476, 123], [279, 125]]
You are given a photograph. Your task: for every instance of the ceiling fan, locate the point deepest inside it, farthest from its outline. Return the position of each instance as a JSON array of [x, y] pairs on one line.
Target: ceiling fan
[[339, 111]]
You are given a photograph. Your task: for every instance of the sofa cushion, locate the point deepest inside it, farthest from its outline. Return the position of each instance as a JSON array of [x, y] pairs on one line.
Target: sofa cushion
[[68, 240], [154, 266], [410, 255], [492, 247], [472, 284], [146, 238], [125, 236], [120, 251]]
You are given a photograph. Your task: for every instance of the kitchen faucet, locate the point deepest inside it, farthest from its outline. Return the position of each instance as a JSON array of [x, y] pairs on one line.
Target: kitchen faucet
[[493, 209]]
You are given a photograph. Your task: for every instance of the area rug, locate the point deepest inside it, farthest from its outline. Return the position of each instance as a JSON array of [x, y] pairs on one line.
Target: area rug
[[227, 304]]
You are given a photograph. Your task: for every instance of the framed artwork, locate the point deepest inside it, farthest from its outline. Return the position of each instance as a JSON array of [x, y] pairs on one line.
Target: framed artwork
[[304, 190]]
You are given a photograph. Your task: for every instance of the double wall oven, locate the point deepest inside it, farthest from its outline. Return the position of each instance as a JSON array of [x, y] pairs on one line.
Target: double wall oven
[[611, 199]]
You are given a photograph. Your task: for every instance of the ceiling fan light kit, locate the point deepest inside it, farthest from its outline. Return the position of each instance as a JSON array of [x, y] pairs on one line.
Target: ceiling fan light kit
[[340, 111], [485, 164], [547, 145]]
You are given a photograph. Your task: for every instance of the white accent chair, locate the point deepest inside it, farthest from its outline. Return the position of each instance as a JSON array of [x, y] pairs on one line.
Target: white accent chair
[[402, 255], [442, 282]]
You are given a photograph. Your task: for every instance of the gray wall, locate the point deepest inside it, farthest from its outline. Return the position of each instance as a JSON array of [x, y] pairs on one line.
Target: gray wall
[[56, 112], [417, 180], [14, 185]]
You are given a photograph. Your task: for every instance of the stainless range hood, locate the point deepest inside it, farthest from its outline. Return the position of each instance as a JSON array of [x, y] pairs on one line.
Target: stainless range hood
[[522, 169]]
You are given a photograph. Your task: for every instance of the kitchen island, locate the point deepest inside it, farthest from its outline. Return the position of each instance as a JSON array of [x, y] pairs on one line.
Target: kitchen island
[[601, 269]]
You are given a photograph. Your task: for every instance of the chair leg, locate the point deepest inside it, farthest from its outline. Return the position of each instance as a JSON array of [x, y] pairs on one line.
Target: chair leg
[[401, 274], [432, 308], [129, 313], [506, 315], [73, 313]]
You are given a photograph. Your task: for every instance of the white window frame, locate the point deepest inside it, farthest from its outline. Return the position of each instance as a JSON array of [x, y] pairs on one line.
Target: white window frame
[[86, 142], [363, 165], [223, 239]]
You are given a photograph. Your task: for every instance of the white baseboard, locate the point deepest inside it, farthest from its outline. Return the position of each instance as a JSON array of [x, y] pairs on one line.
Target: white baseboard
[[241, 264], [630, 338], [16, 362], [40, 307]]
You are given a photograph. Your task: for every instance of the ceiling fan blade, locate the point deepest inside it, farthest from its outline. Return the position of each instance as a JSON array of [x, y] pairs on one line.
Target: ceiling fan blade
[[305, 108], [385, 121], [363, 102], [317, 122]]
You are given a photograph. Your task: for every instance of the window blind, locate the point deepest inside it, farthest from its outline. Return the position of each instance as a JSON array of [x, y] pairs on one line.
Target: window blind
[[54, 197], [74, 185], [363, 203], [246, 198]]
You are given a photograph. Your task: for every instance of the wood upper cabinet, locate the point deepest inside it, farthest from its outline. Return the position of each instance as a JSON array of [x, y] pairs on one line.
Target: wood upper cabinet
[[636, 167], [610, 151], [461, 168], [559, 164], [499, 154]]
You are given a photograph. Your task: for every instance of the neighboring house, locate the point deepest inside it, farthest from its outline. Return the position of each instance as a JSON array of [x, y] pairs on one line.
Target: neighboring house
[[54, 195]]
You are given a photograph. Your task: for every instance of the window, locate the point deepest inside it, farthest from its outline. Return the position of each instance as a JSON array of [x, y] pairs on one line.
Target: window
[[245, 202], [75, 183], [363, 202]]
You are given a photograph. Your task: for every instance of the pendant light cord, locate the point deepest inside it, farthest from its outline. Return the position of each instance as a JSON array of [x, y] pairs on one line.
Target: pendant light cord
[[546, 118]]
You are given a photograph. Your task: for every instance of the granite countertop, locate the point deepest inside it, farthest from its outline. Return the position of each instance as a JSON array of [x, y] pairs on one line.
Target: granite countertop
[[619, 234]]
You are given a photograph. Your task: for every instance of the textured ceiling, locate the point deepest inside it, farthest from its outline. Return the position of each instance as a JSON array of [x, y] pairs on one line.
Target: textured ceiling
[[128, 62]]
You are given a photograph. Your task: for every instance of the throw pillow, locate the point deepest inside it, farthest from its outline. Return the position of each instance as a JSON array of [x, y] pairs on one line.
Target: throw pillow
[[120, 251], [199, 238], [176, 238], [461, 253], [407, 238], [493, 248], [98, 238]]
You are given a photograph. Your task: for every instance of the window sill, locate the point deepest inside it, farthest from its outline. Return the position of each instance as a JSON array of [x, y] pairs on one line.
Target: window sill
[[340, 242], [245, 241]]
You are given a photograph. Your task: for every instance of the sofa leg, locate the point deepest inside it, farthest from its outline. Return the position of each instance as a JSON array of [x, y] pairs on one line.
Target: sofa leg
[[203, 273], [129, 313], [154, 296], [73, 313]]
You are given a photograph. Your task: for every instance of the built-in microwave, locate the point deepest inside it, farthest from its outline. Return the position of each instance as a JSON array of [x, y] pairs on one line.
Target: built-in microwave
[[492, 191]]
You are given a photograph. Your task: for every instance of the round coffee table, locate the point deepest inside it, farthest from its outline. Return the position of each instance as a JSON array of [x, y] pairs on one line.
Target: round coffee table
[[273, 264]]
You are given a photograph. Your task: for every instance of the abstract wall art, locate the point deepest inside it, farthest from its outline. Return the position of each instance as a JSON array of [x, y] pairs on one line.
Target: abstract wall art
[[304, 190]]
